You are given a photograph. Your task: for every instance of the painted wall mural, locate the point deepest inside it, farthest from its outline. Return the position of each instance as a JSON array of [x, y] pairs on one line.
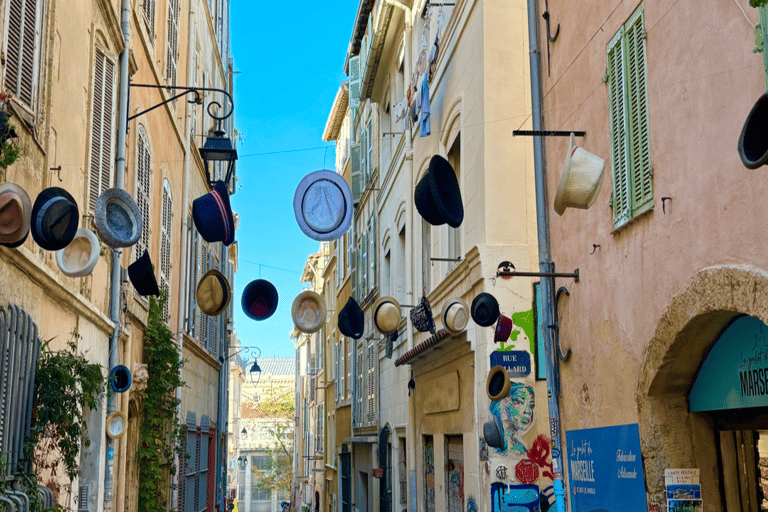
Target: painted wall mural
[[515, 414], [514, 498]]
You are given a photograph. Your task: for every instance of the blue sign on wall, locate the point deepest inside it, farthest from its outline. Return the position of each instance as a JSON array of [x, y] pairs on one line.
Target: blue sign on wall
[[606, 469], [517, 362]]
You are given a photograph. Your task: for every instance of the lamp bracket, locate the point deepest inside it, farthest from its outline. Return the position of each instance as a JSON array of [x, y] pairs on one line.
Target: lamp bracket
[[504, 270], [184, 91]]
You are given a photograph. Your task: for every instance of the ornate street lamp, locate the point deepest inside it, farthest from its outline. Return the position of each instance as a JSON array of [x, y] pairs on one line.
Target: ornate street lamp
[[218, 148]]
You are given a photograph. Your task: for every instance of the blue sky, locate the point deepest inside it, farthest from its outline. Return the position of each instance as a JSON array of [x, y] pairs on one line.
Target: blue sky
[[289, 59]]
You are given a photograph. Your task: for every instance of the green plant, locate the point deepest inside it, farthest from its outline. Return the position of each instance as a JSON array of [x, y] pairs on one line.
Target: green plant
[[757, 3], [9, 151], [66, 383], [159, 433], [279, 474]]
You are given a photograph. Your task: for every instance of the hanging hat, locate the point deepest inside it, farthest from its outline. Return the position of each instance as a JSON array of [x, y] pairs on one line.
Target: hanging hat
[[437, 195], [455, 315], [143, 277], [54, 219], [580, 179], [308, 311], [213, 293], [118, 218], [322, 205], [213, 215], [492, 434], [421, 317], [17, 244], [117, 424], [259, 299], [753, 141], [498, 385], [386, 315], [351, 320], [120, 379], [15, 213], [79, 258], [503, 329], [485, 309]]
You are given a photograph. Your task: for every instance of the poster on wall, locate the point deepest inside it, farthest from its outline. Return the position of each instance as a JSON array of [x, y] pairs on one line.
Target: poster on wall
[[606, 469], [683, 490]]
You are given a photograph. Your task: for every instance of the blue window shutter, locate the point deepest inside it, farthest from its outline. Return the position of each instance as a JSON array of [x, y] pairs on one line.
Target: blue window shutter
[[354, 83], [619, 157]]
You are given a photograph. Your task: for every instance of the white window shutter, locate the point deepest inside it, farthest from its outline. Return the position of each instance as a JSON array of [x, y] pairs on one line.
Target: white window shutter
[[22, 51], [165, 246], [172, 44], [371, 387], [101, 127], [143, 192]]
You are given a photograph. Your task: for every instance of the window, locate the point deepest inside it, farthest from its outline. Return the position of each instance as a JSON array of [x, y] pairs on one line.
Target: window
[[22, 49], [199, 452], [371, 254], [172, 47], [454, 235], [630, 137], [166, 235], [143, 192], [426, 256], [369, 149], [349, 362], [148, 8], [261, 462], [101, 127], [320, 428]]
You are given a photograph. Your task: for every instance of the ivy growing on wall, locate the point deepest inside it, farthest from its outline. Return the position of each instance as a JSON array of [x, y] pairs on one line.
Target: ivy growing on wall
[[159, 433], [757, 3]]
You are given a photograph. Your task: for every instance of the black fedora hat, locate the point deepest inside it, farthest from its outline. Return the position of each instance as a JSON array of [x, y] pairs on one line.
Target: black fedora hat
[[259, 299], [213, 217], [143, 277], [120, 379], [437, 195], [753, 141], [352, 320], [485, 310], [54, 219]]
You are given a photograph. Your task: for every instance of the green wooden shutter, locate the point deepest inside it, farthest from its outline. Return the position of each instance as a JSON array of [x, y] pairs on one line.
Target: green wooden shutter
[[619, 158], [641, 170], [354, 89], [356, 172], [763, 31]]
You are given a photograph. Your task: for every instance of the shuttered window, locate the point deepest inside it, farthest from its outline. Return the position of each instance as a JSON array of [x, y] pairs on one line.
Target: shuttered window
[[148, 8], [202, 268], [101, 127], [143, 193], [762, 44], [22, 50], [172, 46], [371, 387], [212, 343], [166, 241], [195, 71], [630, 136]]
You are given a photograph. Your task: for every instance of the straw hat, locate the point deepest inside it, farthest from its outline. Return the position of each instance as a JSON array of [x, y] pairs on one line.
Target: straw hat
[[213, 293], [117, 424], [580, 179], [455, 315], [117, 218], [386, 315], [79, 258], [15, 213], [308, 311], [497, 385]]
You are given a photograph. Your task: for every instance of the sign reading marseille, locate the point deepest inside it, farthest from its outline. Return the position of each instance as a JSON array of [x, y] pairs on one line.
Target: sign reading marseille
[[606, 469]]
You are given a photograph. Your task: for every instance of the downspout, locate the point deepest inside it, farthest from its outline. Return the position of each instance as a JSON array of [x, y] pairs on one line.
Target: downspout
[[545, 259], [114, 299]]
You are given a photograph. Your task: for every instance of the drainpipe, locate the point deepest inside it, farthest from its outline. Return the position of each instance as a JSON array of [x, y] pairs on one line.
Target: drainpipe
[[545, 259], [114, 299]]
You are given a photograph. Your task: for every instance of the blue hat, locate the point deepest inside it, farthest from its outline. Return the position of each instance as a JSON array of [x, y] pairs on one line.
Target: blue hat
[[259, 299], [120, 379], [54, 219], [143, 277], [213, 215], [352, 320]]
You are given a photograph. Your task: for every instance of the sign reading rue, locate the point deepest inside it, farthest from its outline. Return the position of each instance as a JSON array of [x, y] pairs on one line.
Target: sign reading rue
[[517, 362]]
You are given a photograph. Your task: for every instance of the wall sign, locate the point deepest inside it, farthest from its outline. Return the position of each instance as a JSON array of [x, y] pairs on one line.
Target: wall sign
[[735, 373], [606, 469], [517, 362]]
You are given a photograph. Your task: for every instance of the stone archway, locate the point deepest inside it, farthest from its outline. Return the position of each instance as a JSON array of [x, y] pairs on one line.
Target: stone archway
[[670, 436]]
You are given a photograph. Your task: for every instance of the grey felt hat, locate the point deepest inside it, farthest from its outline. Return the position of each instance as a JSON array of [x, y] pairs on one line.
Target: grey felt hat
[[492, 434], [118, 218]]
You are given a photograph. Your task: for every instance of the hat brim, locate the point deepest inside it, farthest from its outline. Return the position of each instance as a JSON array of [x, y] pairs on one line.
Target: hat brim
[[26, 204], [93, 258], [341, 223], [296, 313], [109, 235], [215, 310], [40, 201], [114, 417], [380, 302], [498, 385], [120, 379], [446, 307], [143, 277]]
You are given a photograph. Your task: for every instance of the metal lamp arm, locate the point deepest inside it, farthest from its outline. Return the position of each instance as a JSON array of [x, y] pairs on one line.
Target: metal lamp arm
[[186, 90]]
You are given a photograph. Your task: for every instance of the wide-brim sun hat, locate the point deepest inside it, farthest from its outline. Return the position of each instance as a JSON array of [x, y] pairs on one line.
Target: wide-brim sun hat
[[259, 299], [213, 216], [15, 214], [485, 309], [580, 179], [437, 195], [503, 329], [79, 258], [213, 293], [351, 320], [142, 276], [386, 315], [322, 205], [118, 218], [54, 219], [753, 140], [455, 315], [308, 311]]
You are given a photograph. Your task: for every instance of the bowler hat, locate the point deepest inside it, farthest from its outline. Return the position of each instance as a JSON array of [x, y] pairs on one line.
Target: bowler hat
[[259, 299], [323, 205], [143, 277], [120, 379], [54, 219], [351, 320], [386, 315], [213, 293], [503, 328], [308, 311], [580, 179], [492, 433], [437, 195], [15, 213], [79, 258], [455, 315], [213, 215], [753, 141], [421, 317], [118, 218], [485, 309], [497, 385]]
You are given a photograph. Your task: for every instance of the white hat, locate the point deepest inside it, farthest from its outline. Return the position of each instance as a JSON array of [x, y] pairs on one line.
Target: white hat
[[580, 179], [455, 315], [79, 258], [386, 315], [308, 311], [117, 424]]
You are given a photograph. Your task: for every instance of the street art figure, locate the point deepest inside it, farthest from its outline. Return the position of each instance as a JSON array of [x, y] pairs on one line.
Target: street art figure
[[515, 413]]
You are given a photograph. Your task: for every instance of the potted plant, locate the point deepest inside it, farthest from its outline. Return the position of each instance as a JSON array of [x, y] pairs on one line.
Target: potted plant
[[9, 150]]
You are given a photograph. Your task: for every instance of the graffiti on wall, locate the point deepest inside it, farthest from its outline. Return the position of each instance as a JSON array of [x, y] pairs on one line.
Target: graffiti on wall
[[471, 504], [429, 476], [515, 414], [523, 325], [455, 486], [514, 498]]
